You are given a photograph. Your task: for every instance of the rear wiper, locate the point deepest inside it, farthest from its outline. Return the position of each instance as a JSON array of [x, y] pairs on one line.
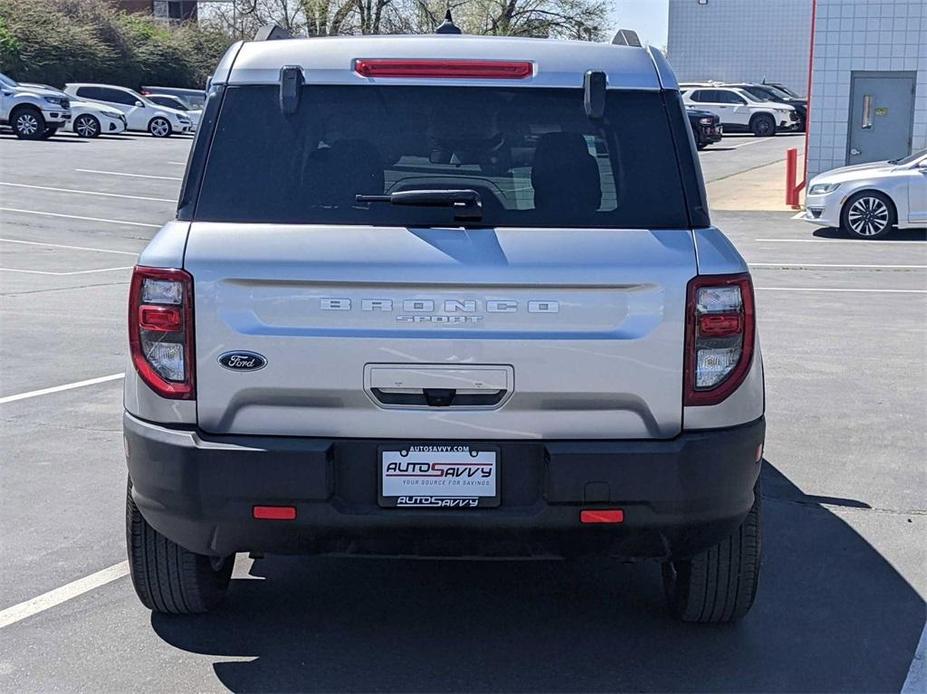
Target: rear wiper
[[466, 203]]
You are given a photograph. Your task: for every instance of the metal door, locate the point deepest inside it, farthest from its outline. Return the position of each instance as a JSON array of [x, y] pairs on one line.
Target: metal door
[[881, 116]]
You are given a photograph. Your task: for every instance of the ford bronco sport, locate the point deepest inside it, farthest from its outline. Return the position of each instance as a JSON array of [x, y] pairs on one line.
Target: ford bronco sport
[[443, 296]]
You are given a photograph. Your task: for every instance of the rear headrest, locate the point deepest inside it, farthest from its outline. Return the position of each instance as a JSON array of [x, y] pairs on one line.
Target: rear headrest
[[335, 175], [564, 175]]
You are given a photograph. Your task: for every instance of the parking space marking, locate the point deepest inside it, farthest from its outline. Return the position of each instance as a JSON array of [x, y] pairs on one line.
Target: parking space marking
[[179, 163], [842, 289], [85, 192], [58, 389], [86, 219], [860, 241], [55, 597], [72, 248], [64, 274], [853, 267], [133, 175]]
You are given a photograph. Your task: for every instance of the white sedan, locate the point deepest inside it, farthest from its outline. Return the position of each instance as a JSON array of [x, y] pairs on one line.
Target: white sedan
[[90, 120], [867, 200]]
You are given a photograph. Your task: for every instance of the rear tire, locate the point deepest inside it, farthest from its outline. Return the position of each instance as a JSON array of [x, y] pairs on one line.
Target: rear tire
[[763, 125], [168, 578], [28, 123], [718, 585]]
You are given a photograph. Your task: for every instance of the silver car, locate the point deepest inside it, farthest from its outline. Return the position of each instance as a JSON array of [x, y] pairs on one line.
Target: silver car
[[444, 296]]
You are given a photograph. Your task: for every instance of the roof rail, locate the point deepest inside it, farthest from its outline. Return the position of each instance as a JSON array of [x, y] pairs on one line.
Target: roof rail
[[626, 37]]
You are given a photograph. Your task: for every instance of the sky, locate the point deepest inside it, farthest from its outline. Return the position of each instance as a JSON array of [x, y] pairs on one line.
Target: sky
[[649, 18]]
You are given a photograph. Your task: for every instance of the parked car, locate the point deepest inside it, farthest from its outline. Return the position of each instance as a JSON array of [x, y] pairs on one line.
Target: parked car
[[34, 112], [193, 99], [741, 112], [177, 104], [706, 127], [767, 92], [446, 314], [141, 115], [90, 119], [867, 200]]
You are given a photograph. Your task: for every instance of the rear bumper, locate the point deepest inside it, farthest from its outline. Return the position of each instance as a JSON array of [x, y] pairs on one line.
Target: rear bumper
[[679, 496]]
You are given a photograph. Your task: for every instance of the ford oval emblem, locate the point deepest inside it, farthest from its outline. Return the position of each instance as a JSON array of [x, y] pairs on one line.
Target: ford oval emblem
[[241, 360]]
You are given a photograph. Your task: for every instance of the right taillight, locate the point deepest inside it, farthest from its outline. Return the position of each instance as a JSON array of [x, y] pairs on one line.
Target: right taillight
[[720, 332], [161, 330]]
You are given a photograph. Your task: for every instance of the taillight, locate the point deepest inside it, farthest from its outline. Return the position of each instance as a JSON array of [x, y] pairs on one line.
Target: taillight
[[161, 330], [720, 332], [442, 68]]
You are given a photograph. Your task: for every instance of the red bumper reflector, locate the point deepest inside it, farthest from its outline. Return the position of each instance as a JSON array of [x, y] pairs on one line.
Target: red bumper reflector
[[274, 512], [610, 515], [464, 69]]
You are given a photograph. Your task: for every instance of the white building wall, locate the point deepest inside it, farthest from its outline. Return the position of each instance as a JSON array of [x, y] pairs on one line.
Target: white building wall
[[741, 41], [862, 35]]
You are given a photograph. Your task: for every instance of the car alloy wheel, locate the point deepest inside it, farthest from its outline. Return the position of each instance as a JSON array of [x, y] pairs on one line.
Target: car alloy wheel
[[868, 216], [159, 127], [86, 126], [27, 124]]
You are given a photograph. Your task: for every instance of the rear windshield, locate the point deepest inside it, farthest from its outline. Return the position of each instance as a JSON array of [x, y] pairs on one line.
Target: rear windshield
[[533, 156]]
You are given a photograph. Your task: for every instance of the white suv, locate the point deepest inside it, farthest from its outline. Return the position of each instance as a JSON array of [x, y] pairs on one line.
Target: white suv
[[141, 114], [463, 300], [33, 111], [740, 111]]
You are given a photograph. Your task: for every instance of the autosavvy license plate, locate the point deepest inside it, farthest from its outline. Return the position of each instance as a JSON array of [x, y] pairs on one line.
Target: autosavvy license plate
[[439, 476]]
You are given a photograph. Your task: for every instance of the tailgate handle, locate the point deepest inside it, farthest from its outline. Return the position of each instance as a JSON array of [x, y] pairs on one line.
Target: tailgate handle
[[439, 397]]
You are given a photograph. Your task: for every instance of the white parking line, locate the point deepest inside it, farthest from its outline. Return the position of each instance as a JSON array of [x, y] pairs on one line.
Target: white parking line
[[85, 192], [861, 242], [87, 219], [71, 248], [179, 163], [916, 681], [867, 267], [55, 597], [64, 274], [58, 389], [841, 289], [133, 175]]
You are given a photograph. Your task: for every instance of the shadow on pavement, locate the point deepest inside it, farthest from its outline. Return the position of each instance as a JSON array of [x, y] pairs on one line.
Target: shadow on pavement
[[895, 235], [831, 615]]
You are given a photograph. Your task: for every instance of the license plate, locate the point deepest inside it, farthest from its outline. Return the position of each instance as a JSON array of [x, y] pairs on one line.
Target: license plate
[[439, 476]]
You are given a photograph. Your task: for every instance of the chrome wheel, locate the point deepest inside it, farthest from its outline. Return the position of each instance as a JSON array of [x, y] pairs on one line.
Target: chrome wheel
[[868, 216], [159, 127], [27, 125], [86, 126]]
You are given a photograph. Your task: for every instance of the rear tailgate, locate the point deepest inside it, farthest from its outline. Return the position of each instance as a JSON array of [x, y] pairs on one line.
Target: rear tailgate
[[582, 328]]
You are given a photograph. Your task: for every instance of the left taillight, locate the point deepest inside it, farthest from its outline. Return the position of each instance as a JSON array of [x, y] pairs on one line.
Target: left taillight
[[161, 330], [720, 334]]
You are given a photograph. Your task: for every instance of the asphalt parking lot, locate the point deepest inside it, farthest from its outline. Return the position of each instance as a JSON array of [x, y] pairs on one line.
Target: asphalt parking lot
[[841, 607]]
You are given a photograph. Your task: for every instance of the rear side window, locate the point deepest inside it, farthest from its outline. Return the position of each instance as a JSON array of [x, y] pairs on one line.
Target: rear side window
[[116, 96], [533, 155]]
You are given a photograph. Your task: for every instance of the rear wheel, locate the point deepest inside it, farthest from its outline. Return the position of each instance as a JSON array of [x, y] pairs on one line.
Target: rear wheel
[[718, 585], [763, 125], [28, 123], [167, 577], [86, 125], [868, 215], [159, 127]]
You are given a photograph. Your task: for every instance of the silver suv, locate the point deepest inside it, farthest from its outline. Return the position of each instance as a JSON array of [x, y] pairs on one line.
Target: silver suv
[[444, 296], [33, 111]]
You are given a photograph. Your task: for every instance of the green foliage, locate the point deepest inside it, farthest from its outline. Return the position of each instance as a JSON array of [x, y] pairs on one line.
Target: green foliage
[[59, 41]]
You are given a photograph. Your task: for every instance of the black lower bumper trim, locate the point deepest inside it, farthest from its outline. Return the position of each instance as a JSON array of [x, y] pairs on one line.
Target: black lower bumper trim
[[679, 496]]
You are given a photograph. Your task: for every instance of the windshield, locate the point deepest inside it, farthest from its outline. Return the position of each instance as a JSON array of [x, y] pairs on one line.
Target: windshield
[[914, 156], [532, 155], [170, 102], [785, 90], [764, 94], [6, 81]]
